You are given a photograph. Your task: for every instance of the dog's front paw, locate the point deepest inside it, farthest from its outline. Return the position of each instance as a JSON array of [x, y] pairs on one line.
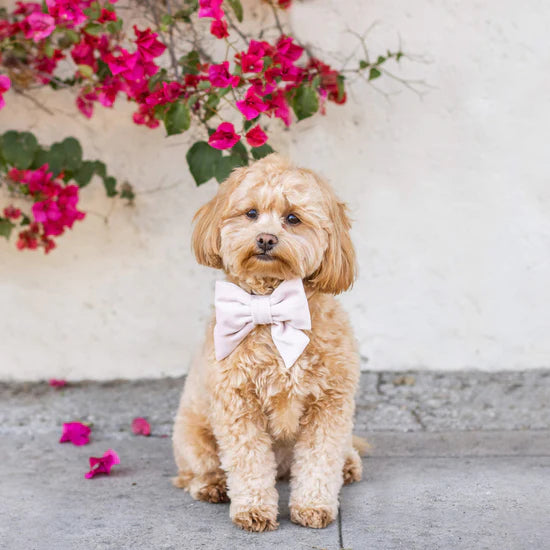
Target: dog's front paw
[[312, 516], [256, 518]]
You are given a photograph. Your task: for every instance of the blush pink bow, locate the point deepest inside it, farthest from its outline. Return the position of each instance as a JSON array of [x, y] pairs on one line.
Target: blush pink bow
[[238, 312]]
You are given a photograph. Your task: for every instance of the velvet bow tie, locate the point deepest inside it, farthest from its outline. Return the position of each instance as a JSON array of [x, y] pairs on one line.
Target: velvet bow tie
[[238, 312]]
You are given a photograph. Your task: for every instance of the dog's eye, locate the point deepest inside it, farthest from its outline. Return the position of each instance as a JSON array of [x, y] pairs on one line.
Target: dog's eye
[[252, 214], [293, 219]]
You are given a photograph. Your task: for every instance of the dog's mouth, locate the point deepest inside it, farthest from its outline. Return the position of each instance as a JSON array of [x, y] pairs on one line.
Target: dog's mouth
[[264, 257]]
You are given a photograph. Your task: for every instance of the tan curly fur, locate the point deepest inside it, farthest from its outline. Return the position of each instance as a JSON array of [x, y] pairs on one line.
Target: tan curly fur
[[246, 420]]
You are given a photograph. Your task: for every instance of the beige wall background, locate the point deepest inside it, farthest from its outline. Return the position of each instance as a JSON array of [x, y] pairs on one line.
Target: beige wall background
[[450, 196]]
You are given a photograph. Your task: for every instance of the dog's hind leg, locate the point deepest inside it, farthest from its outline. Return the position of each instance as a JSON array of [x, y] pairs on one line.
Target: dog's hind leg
[[196, 455]]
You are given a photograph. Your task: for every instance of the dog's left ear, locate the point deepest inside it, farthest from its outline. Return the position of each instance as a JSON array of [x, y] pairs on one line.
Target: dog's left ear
[[338, 268]]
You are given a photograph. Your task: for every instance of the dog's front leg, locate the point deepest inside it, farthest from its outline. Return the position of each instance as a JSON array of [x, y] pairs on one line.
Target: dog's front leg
[[319, 456], [247, 457]]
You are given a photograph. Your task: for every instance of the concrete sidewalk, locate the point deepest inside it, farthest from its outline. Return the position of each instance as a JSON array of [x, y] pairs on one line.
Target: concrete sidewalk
[[458, 460]]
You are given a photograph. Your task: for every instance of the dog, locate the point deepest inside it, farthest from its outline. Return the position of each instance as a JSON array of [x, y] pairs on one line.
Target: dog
[[253, 412]]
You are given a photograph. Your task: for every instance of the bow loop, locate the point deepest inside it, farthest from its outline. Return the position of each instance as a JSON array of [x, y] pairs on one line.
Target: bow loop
[[238, 312]]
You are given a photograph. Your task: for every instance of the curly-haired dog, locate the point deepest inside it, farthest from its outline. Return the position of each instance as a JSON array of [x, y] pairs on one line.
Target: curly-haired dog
[[278, 397]]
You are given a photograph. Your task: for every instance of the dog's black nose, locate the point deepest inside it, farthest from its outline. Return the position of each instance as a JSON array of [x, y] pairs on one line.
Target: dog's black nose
[[266, 241]]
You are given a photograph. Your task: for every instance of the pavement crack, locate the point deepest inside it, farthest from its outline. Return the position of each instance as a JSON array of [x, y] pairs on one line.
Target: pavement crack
[[379, 384], [340, 535], [418, 419]]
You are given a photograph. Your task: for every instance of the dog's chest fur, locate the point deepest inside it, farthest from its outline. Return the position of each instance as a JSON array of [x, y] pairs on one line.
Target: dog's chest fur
[[283, 394]]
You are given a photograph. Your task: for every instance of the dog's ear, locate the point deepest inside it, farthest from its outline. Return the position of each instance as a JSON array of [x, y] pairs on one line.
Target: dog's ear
[[207, 223], [337, 270], [205, 239]]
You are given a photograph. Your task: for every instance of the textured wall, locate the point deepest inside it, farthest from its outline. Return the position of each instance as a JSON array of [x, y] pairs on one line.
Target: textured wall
[[450, 196]]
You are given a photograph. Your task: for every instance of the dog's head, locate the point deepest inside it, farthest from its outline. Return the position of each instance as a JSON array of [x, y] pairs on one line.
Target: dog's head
[[274, 221]]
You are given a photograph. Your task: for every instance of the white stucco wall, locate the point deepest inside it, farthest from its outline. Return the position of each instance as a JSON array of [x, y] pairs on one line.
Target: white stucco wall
[[450, 196]]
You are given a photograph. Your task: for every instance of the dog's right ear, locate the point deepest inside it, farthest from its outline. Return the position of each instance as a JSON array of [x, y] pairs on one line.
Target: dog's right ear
[[206, 240], [206, 234]]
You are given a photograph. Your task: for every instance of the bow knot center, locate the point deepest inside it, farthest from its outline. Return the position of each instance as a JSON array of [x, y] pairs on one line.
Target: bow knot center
[[260, 307]]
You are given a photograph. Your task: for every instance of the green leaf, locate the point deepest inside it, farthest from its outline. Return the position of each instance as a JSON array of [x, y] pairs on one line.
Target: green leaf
[[114, 27], [262, 151], [127, 192], [204, 85], [374, 73], [166, 19], [249, 123], [202, 160], [19, 148], [6, 228], [84, 175], [341, 88], [239, 151], [103, 70], [177, 118], [72, 152], [110, 186], [237, 8], [93, 28], [189, 62], [305, 102], [363, 64], [380, 60], [210, 106], [85, 70], [225, 166], [49, 50], [100, 169]]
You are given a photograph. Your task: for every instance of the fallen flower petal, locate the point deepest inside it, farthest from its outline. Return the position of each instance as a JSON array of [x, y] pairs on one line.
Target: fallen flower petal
[[140, 426], [75, 432], [102, 465], [55, 383]]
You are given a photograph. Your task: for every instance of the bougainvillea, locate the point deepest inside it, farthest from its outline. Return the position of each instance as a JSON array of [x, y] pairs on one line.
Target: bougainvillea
[[84, 45]]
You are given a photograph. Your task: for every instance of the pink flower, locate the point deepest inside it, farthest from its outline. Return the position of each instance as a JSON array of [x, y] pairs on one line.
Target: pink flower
[[256, 137], [145, 115], [251, 106], [45, 210], [148, 45], [170, 92], [106, 15], [26, 8], [83, 54], [291, 73], [75, 432], [211, 8], [27, 239], [220, 76], [85, 104], [55, 383], [262, 88], [224, 137], [123, 63], [12, 213], [279, 107], [140, 426], [38, 26], [288, 51], [66, 12], [109, 91], [218, 28], [5, 85], [103, 464]]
